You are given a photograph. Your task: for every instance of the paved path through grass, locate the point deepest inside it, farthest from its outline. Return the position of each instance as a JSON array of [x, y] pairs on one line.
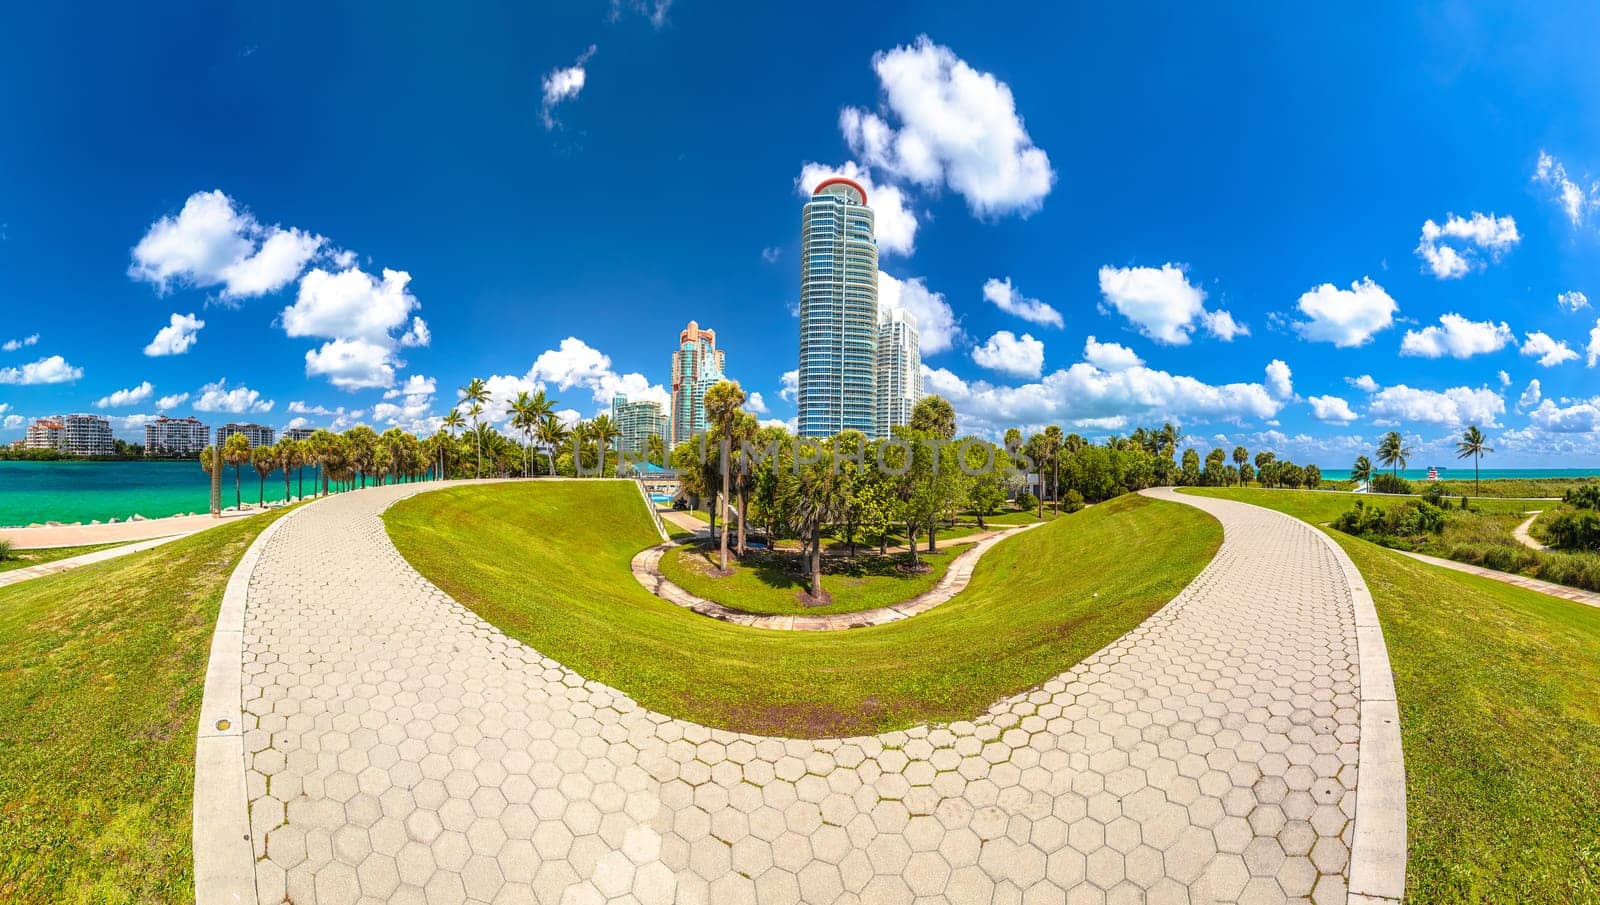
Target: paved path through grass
[[398, 748]]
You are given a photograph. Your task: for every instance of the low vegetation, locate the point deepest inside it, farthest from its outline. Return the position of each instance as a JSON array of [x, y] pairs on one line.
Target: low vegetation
[[12, 558], [101, 674], [549, 564], [1500, 724]]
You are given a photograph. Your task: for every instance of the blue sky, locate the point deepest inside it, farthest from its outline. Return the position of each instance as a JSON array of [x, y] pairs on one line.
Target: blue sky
[[1204, 193]]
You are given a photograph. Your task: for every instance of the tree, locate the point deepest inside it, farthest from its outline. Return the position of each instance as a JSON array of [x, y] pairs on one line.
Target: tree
[[523, 419], [287, 457], [656, 450], [1055, 444], [603, 431], [476, 393], [236, 452], [1473, 444], [934, 416], [1191, 467], [1240, 457], [1393, 452], [451, 422], [213, 467], [723, 408], [327, 451], [263, 459], [362, 445], [1361, 471], [552, 434], [821, 499]]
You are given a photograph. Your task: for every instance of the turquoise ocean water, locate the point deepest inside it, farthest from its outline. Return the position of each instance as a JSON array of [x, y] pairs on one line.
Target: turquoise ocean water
[[85, 491], [1458, 473]]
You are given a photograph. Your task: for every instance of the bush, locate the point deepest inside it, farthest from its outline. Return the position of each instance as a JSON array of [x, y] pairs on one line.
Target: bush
[[1435, 495], [1026, 500], [5, 550], [1388, 483], [1574, 530], [1071, 501], [1585, 497], [1409, 519]]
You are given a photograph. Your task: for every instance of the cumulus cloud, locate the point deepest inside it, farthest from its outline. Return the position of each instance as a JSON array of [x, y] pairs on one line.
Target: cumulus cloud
[[789, 385], [1457, 337], [167, 403], [414, 409], [1581, 417], [1530, 397], [1345, 317], [129, 396], [415, 385], [1453, 407], [352, 364], [1576, 201], [13, 421], [1163, 304], [1331, 409], [563, 84], [1006, 352], [1280, 379], [1110, 356], [177, 337], [1505, 379], [1006, 297], [12, 345], [754, 403], [944, 123], [218, 397], [214, 242], [359, 315], [573, 364], [53, 369], [1460, 245], [1594, 344], [1572, 302], [893, 222], [937, 329], [1364, 383], [655, 11], [1547, 349]]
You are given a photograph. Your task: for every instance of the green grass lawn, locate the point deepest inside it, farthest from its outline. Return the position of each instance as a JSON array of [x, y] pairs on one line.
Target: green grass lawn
[[1320, 507], [21, 559], [101, 674], [1512, 487], [1499, 692], [768, 583], [548, 564]]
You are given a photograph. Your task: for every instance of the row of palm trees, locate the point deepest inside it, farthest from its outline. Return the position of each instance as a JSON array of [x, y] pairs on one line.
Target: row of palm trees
[[1393, 453], [352, 458]]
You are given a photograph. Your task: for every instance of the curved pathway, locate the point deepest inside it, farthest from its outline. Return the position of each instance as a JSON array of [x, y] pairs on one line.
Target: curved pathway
[[394, 747], [647, 571], [1521, 532]]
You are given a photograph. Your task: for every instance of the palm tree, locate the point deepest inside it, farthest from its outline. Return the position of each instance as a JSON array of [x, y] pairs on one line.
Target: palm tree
[[477, 393], [1472, 444], [656, 450], [603, 431], [236, 452], [523, 419], [1393, 452], [451, 422], [723, 408], [551, 435], [287, 457], [1054, 442], [1361, 472], [1240, 457], [263, 459], [820, 499]]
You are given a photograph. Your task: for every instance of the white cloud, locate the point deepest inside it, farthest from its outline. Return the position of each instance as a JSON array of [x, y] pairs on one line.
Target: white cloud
[[1006, 352], [210, 242], [1163, 304], [790, 385], [777, 422], [771, 253], [1331, 409], [1110, 356], [1575, 200], [1345, 317], [893, 222], [1505, 379], [1530, 396], [655, 11], [1364, 383], [937, 329], [1581, 417], [296, 407], [414, 411], [1547, 349], [1457, 337], [14, 421], [1572, 302], [1453, 407], [958, 128], [1280, 379], [415, 385], [1594, 344], [574, 364], [129, 396], [177, 337], [12, 345], [359, 314], [217, 397], [53, 369], [418, 335], [1483, 233], [563, 84], [352, 364], [130, 422], [1006, 297], [754, 403], [167, 403]]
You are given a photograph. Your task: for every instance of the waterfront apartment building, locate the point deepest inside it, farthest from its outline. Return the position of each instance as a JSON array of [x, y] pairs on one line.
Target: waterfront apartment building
[[696, 365], [257, 434], [899, 369], [636, 423], [75, 435], [838, 312], [299, 433], [175, 437]]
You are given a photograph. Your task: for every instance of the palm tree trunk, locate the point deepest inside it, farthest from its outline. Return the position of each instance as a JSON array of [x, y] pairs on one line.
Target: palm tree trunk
[[724, 508], [261, 491], [237, 499], [742, 548], [1477, 486], [816, 564]]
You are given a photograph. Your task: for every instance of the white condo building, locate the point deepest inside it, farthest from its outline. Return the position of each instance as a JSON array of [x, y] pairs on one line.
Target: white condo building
[[838, 312], [75, 435], [175, 437], [257, 434], [899, 369]]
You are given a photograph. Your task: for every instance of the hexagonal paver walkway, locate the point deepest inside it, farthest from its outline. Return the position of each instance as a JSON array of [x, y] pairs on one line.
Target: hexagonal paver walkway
[[395, 748]]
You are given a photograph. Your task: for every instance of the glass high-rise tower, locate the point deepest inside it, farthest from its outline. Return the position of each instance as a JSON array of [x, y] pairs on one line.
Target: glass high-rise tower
[[696, 365], [899, 369], [838, 312]]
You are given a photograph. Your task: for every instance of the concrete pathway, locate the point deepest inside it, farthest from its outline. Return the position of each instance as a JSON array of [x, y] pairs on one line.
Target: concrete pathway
[[1523, 537], [14, 576], [647, 571], [1576, 595], [84, 535], [394, 747]]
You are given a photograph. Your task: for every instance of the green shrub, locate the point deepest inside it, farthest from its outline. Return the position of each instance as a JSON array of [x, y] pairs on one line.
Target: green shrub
[[1576, 529], [5, 550], [1579, 570], [1026, 500], [1585, 497], [1388, 483], [1435, 494], [1071, 501], [1409, 519]]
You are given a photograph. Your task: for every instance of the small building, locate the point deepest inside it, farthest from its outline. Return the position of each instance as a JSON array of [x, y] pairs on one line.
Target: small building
[[175, 437], [299, 433], [257, 434]]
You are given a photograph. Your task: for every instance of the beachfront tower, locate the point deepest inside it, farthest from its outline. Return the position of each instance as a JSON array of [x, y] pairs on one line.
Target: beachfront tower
[[899, 369], [838, 312], [636, 423], [696, 365]]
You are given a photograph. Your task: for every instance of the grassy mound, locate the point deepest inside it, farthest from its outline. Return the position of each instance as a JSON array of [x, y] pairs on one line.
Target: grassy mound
[[769, 582], [548, 564]]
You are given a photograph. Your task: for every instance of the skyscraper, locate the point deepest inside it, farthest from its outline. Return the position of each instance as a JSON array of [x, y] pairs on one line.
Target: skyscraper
[[696, 365], [636, 422], [838, 312], [899, 369]]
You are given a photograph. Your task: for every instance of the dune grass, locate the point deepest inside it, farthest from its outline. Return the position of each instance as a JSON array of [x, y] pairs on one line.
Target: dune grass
[[548, 564], [1499, 692], [21, 559], [101, 674], [768, 583]]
